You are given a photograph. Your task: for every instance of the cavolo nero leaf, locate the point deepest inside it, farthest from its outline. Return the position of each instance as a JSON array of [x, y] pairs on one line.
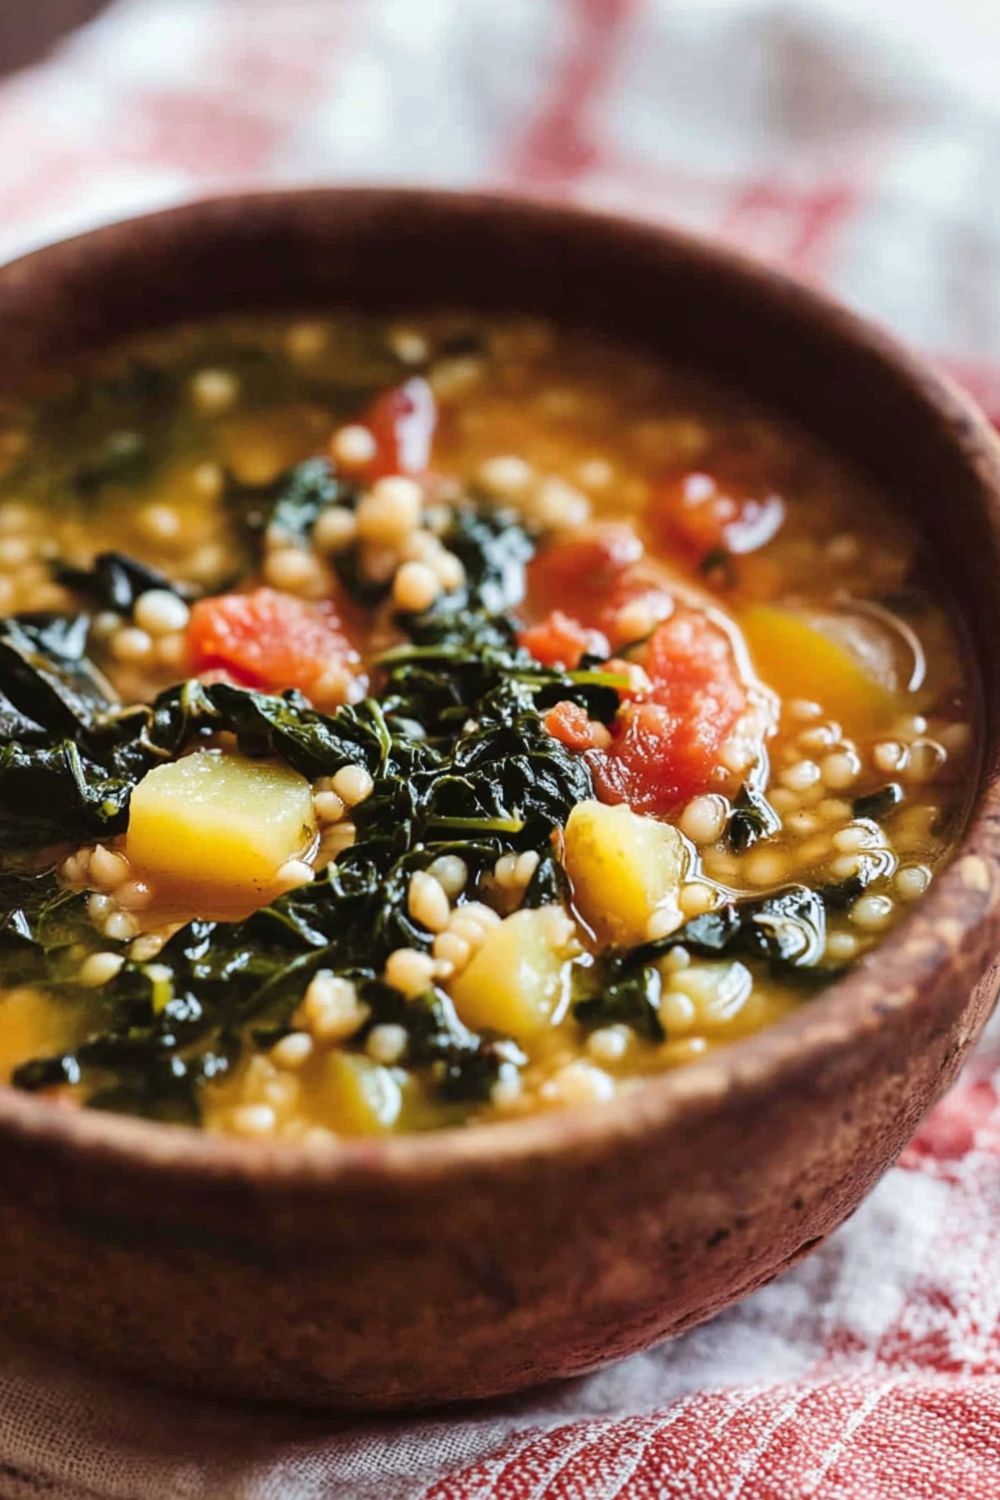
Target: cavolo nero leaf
[[752, 818], [786, 930], [115, 581], [630, 998], [46, 674], [293, 502]]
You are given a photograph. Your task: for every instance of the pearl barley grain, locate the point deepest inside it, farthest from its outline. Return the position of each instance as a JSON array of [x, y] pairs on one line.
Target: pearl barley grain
[[427, 902], [214, 391], [159, 523], [335, 529], [415, 587], [452, 950], [120, 926], [608, 1044], [159, 612], [353, 784], [800, 775], [131, 646], [506, 476], [98, 968], [328, 807], [387, 1043], [871, 912], [294, 570], [293, 1050], [353, 446], [255, 1120], [409, 971], [890, 755], [840, 769], [293, 873], [911, 882], [841, 946], [390, 510], [579, 1083], [451, 872], [704, 818], [107, 869]]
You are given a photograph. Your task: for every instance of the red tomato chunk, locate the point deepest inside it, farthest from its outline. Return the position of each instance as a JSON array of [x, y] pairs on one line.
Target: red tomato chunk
[[558, 641], [402, 421], [701, 514], [569, 723], [665, 748], [270, 640], [592, 574]]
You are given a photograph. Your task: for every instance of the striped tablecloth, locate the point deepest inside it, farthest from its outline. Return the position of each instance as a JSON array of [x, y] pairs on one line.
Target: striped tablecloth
[[859, 144]]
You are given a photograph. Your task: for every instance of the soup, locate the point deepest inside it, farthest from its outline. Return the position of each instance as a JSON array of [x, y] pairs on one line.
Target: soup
[[405, 725]]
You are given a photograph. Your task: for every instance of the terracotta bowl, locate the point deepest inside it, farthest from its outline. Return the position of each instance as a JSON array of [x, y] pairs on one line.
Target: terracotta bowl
[[379, 1274]]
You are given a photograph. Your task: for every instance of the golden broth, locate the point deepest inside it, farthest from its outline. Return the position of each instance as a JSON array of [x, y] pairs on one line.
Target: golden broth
[[846, 671]]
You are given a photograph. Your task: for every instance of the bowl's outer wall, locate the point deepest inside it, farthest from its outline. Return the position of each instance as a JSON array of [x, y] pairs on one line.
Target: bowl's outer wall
[[470, 1267]]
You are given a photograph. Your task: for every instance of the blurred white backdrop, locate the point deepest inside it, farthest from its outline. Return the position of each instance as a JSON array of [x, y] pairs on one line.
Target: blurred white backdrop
[[858, 142]]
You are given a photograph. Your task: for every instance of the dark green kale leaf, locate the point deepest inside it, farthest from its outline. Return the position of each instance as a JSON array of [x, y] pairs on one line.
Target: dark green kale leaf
[[115, 581], [549, 885], [46, 675], [871, 865], [314, 743], [38, 917], [788, 928], [752, 818], [54, 794], [630, 997], [304, 494], [494, 549], [292, 504], [463, 1065], [876, 805]]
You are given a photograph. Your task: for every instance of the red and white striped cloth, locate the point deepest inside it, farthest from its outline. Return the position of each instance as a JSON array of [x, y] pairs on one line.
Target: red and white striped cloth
[[859, 144]]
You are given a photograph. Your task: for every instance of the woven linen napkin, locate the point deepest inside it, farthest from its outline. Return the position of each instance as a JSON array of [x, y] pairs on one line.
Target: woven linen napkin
[[857, 144]]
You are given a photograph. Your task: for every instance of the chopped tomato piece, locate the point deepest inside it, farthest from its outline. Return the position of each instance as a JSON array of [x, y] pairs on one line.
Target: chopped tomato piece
[[570, 724], [592, 574], [270, 640], [402, 422], [558, 641], [701, 513], [665, 749]]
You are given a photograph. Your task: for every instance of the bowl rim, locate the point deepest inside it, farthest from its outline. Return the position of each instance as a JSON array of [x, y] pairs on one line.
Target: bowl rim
[[836, 1019]]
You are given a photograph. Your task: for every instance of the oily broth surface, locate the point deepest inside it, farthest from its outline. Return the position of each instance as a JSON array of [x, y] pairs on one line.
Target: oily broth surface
[[605, 423]]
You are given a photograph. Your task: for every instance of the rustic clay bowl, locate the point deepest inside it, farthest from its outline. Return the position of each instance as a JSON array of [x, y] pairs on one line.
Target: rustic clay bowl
[[378, 1274]]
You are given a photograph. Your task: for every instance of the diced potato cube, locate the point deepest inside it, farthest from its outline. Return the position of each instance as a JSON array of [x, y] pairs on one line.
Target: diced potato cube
[[623, 866], [799, 661], [516, 982], [351, 1094], [219, 823]]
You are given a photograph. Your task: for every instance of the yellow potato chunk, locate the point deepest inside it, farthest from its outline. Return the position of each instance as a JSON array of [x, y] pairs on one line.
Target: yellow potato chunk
[[33, 1024], [219, 823], [799, 661], [351, 1094], [516, 982], [623, 866]]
